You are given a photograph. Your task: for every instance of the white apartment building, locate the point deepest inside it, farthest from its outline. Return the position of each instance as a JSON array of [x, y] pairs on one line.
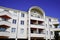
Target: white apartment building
[[31, 25]]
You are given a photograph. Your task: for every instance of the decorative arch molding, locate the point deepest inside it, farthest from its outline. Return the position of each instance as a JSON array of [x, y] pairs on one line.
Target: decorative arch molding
[[38, 9]]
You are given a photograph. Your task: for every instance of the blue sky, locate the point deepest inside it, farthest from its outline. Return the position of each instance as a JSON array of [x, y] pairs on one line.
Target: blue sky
[[51, 7]]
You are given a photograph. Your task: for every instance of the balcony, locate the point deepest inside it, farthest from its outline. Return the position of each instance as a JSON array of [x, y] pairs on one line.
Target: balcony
[[4, 34], [56, 29], [7, 23], [36, 17], [37, 26], [5, 15], [36, 32], [37, 35], [55, 22]]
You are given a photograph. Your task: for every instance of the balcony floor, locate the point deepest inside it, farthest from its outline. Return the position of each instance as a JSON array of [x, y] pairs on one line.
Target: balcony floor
[[35, 38]]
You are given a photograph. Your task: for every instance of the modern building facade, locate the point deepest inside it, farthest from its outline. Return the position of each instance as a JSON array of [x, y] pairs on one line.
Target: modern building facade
[[31, 25]]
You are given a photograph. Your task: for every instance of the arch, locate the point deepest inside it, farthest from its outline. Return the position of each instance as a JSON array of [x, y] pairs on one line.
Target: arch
[[38, 9]]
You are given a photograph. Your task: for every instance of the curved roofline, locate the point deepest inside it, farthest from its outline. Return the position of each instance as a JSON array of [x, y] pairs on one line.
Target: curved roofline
[[37, 8]]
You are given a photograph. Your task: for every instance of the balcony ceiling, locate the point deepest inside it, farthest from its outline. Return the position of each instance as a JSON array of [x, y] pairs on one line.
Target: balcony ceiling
[[4, 37], [37, 37], [5, 16], [56, 24], [4, 26], [37, 10]]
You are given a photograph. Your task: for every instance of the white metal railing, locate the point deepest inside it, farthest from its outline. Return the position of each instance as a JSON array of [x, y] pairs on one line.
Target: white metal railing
[[5, 13], [5, 22], [56, 29], [37, 26], [37, 17], [37, 35], [55, 22], [4, 33]]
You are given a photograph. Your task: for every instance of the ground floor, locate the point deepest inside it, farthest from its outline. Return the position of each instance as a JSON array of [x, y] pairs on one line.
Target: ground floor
[[25, 39], [37, 38], [32, 38]]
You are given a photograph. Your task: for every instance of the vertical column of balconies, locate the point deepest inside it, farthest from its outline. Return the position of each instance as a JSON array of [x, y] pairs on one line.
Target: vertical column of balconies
[[37, 28], [4, 25], [36, 23], [56, 29], [56, 23]]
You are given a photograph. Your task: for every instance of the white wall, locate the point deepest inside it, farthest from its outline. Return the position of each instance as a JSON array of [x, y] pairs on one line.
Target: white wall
[[24, 33]]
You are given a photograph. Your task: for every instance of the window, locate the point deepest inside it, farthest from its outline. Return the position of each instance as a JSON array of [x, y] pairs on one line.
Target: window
[[38, 16], [22, 22], [4, 19], [34, 11], [47, 32], [46, 25], [14, 21], [6, 10], [22, 14], [2, 29], [32, 31], [50, 26], [51, 33], [13, 29], [22, 31], [39, 31], [50, 20]]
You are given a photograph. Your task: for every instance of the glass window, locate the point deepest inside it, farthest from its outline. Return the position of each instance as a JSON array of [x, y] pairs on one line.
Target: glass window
[[13, 29], [14, 21], [34, 11], [32, 31], [6, 10], [46, 25], [47, 32], [50, 20], [51, 33], [22, 31], [38, 16], [22, 22], [4, 19], [2, 29], [50, 26], [39, 31], [22, 14]]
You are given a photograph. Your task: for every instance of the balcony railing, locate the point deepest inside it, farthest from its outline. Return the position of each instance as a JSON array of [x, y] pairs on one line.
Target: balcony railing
[[55, 22], [6, 33], [37, 15], [5, 13], [5, 23], [37, 35], [37, 18], [37, 26], [56, 29]]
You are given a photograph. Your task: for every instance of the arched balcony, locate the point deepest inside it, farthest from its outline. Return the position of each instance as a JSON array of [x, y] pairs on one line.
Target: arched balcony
[[5, 15], [37, 17], [37, 13], [36, 22]]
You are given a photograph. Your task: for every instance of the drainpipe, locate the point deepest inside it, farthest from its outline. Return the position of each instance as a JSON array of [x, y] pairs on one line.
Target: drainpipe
[[29, 26], [49, 31], [17, 26], [45, 28]]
